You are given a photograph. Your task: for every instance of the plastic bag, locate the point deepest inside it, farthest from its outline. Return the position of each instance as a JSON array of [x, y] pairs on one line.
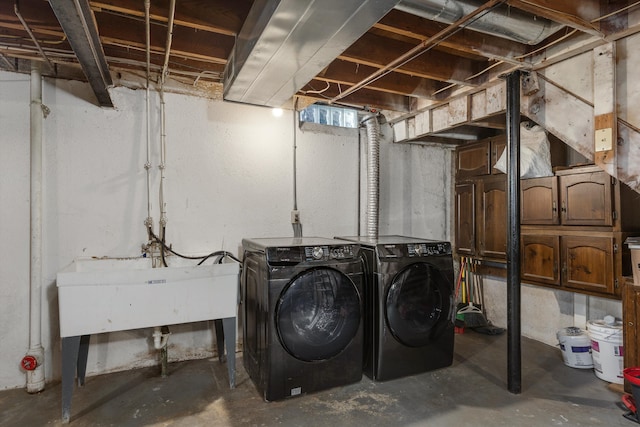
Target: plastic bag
[[535, 156]]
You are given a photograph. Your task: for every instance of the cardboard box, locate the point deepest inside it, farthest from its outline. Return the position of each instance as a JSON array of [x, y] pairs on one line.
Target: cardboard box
[[634, 247]]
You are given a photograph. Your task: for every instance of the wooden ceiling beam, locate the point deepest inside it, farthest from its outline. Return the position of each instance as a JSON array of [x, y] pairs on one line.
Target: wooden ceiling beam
[[219, 16], [465, 40], [349, 73], [376, 51], [362, 98], [187, 42]]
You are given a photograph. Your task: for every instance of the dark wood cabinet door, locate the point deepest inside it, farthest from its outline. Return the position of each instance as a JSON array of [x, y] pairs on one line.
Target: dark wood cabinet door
[[586, 199], [539, 201], [472, 160], [588, 263], [540, 259], [492, 215], [498, 144], [465, 218]]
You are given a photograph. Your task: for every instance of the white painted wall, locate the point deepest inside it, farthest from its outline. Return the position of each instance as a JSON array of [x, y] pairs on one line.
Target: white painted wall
[[544, 311], [229, 175]]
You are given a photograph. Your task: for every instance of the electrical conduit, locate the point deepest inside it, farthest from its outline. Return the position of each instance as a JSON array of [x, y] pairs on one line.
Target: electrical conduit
[[35, 375]]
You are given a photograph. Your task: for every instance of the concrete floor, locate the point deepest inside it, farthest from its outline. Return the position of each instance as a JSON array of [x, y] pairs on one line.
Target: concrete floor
[[472, 392]]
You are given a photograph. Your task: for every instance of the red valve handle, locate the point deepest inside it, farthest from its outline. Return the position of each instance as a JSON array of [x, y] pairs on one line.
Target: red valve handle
[[29, 363]]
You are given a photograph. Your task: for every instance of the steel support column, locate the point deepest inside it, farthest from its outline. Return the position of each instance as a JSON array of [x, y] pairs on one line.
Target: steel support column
[[514, 356]]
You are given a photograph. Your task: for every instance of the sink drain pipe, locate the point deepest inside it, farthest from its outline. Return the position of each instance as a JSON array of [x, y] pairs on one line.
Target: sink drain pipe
[[33, 362]]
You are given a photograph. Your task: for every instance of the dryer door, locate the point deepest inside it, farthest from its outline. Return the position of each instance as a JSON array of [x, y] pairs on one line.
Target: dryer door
[[318, 314], [418, 304]]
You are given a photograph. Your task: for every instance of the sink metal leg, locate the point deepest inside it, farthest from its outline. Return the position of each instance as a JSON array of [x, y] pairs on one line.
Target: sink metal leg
[[229, 325], [74, 360], [219, 339], [70, 348], [83, 354]]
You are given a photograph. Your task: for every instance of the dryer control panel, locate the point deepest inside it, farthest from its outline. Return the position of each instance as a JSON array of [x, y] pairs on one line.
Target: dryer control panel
[[423, 249], [429, 249]]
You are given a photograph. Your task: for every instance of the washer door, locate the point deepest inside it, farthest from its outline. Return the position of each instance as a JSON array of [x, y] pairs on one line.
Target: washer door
[[318, 314], [418, 302]]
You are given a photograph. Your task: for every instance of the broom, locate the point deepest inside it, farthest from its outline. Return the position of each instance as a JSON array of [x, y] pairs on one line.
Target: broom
[[488, 328], [471, 313]]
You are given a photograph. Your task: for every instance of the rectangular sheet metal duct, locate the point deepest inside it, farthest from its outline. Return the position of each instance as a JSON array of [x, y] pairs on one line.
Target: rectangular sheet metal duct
[[79, 25], [286, 43]]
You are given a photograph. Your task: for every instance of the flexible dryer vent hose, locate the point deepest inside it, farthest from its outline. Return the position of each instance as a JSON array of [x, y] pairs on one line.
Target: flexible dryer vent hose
[[373, 174]]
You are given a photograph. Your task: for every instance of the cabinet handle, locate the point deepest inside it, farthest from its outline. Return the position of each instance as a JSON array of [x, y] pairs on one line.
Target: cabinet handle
[[564, 208], [631, 324], [554, 207]]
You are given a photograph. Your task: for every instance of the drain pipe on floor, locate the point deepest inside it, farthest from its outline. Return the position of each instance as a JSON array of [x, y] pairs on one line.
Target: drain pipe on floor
[[373, 173], [33, 362]]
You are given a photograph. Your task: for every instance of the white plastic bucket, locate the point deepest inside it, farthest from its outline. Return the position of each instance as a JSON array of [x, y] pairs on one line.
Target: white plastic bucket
[[576, 347], [607, 350]]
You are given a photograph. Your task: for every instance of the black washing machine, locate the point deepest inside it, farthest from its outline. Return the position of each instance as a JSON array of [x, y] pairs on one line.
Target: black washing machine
[[302, 314], [409, 305]]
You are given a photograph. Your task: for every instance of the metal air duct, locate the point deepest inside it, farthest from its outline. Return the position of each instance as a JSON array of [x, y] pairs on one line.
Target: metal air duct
[[283, 44], [503, 21]]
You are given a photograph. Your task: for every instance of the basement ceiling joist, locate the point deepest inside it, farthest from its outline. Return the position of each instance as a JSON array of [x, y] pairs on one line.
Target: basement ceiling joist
[[206, 31]]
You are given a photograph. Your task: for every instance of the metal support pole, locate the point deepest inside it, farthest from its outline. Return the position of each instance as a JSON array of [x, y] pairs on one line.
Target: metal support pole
[[514, 355]]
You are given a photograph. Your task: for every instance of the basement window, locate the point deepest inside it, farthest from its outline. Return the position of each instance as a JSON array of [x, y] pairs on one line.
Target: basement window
[[330, 116]]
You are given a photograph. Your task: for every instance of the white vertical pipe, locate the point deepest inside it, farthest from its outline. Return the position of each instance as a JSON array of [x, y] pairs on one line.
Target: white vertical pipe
[[35, 378], [149, 221], [163, 140]]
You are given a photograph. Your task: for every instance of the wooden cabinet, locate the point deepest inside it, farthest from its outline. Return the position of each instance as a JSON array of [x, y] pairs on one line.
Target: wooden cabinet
[[465, 196], [472, 160], [480, 201], [497, 146], [585, 198], [492, 217], [539, 201], [540, 258], [587, 264], [573, 230], [630, 322], [573, 224]]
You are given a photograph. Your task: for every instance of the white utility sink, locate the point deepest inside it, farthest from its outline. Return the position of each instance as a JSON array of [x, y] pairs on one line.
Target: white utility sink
[[97, 295], [115, 294]]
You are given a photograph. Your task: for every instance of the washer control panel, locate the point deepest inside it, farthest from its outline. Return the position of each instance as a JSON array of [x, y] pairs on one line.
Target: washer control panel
[[297, 254], [324, 253]]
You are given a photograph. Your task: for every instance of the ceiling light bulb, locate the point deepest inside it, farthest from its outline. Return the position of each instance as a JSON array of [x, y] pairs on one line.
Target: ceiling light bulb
[[277, 112]]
